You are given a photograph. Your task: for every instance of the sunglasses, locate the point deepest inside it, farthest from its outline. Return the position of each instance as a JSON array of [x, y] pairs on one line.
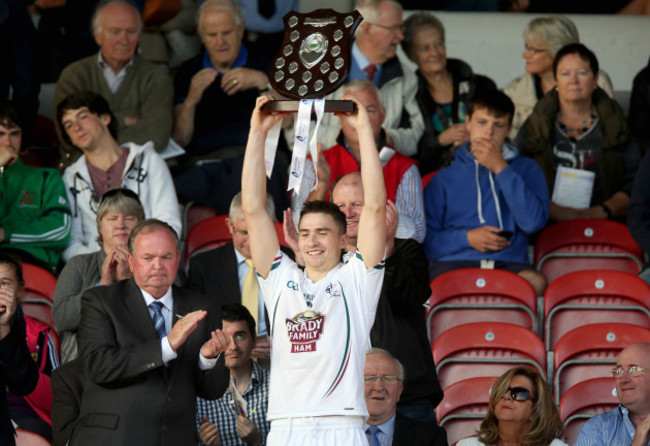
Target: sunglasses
[[519, 393], [121, 191]]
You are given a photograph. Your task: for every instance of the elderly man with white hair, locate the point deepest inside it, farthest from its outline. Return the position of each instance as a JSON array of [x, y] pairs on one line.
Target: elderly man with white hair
[[139, 93]]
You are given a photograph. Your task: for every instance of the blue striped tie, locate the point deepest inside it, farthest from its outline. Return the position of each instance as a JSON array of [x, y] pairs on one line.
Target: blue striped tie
[[158, 319], [374, 435]]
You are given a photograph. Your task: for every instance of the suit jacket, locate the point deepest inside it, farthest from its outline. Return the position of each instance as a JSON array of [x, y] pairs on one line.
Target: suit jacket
[[400, 322], [409, 432], [18, 372], [129, 396], [67, 389], [214, 273]]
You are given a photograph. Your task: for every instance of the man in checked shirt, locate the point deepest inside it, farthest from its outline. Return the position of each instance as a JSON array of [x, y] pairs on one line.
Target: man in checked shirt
[[220, 421]]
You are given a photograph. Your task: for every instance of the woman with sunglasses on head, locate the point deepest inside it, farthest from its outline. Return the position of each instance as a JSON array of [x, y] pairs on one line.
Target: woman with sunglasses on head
[[521, 412], [118, 212]]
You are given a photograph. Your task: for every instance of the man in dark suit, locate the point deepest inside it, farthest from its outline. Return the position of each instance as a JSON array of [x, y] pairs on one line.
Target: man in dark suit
[[67, 382], [220, 272], [148, 349], [383, 376]]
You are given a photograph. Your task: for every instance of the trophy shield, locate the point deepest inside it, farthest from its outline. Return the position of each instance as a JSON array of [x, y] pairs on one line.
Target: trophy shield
[[314, 58]]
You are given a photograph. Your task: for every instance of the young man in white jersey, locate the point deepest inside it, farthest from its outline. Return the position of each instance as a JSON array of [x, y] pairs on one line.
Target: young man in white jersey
[[320, 318]]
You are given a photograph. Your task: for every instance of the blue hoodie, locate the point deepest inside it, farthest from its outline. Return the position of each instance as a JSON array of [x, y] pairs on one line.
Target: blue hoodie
[[466, 195]]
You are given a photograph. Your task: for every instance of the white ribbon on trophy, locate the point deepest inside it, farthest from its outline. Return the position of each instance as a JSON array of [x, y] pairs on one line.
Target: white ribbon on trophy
[[299, 156]]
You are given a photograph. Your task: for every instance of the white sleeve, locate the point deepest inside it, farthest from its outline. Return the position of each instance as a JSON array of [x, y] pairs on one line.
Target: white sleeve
[[76, 243], [410, 206], [163, 201], [398, 96]]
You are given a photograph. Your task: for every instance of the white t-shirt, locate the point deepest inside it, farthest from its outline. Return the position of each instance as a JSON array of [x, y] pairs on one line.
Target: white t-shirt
[[319, 335]]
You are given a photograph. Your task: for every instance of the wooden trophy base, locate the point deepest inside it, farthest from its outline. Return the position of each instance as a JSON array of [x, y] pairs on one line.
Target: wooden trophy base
[[331, 106]]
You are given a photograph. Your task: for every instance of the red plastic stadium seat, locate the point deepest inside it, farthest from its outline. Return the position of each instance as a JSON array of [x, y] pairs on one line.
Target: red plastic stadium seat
[[591, 297], [39, 282], [583, 401], [213, 232], [485, 349], [38, 297], [427, 178], [591, 351], [207, 234], [464, 406], [586, 244], [480, 295], [193, 213]]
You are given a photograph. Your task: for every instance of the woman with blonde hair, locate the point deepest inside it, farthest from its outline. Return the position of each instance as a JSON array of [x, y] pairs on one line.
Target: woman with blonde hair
[[521, 412], [543, 37], [118, 212]]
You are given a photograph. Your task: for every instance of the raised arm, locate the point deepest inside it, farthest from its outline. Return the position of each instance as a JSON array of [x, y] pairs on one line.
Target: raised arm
[[261, 229], [371, 241]]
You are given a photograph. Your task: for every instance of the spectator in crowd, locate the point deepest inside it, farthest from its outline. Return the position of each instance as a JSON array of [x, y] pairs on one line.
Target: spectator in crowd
[[374, 57], [66, 400], [215, 96], [31, 412], [19, 56], [330, 304], [139, 92], [400, 325], [215, 91], [578, 126], [441, 90], [521, 411], [35, 217], [224, 422], [482, 209], [384, 383], [639, 114], [64, 34], [18, 372], [629, 423], [638, 215], [403, 182], [227, 274], [264, 25], [148, 349], [613, 7], [86, 121], [118, 212], [543, 37], [374, 51]]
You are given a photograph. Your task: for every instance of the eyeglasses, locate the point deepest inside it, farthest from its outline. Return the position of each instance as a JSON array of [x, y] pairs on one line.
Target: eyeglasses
[[394, 29], [519, 393], [632, 372], [386, 380], [534, 50]]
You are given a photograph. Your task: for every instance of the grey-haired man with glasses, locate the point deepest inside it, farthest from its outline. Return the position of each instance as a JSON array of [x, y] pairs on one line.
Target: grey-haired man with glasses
[[629, 423], [383, 378]]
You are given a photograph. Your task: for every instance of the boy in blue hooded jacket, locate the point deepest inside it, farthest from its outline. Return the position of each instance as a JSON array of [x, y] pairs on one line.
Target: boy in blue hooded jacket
[[481, 209]]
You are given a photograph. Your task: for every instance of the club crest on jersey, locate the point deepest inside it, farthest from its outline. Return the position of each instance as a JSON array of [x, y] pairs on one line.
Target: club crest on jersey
[[333, 290], [27, 199], [304, 330]]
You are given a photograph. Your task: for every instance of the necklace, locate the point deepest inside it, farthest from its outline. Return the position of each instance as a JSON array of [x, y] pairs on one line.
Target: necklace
[[577, 131]]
